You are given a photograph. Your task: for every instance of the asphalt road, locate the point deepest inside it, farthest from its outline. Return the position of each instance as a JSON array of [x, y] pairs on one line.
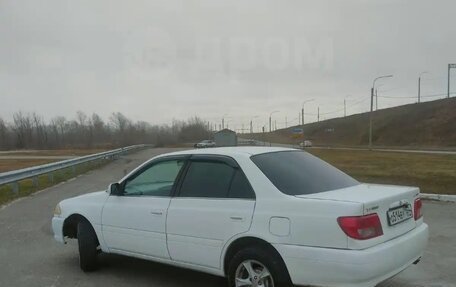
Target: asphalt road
[[29, 256]]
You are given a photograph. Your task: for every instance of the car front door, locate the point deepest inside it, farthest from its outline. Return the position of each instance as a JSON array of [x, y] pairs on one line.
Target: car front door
[[214, 202], [134, 220]]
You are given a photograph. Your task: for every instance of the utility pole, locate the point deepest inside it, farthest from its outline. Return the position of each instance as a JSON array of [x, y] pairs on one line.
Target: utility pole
[[376, 99], [372, 107], [302, 115], [345, 108], [318, 114], [251, 123], [448, 93], [270, 120], [419, 89], [345, 105], [370, 117], [419, 86], [223, 121], [450, 66]]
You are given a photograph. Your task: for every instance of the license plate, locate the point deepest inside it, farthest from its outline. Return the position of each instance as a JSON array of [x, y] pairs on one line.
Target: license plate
[[399, 214]]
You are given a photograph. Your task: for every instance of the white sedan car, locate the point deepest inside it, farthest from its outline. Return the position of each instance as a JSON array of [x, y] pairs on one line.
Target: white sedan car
[[259, 216], [205, 144]]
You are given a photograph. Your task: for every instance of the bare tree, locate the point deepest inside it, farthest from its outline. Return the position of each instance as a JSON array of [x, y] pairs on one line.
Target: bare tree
[[4, 144], [100, 134], [120, 124], [23, 129], [31, 131], [39, 131]]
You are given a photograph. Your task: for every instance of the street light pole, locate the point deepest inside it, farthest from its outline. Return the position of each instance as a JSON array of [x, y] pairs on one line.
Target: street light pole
[[270, 120], [372, 107], [302, 115]]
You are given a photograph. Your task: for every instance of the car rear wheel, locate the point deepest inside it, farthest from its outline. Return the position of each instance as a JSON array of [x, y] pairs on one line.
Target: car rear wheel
[[257, 267], [88, 244]]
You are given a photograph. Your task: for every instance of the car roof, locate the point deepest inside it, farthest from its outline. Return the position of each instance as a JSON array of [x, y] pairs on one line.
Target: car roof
[[232, 151]]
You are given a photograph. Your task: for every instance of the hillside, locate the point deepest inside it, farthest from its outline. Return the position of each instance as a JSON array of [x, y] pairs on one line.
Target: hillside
[[429, 124]]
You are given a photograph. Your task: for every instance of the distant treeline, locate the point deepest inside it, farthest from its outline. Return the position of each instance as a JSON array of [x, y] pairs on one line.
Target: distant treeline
[[31, 131]]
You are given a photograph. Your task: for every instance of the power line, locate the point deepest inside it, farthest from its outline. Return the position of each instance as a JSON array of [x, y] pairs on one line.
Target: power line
[[392, 97], [414, 97], [349, 106]]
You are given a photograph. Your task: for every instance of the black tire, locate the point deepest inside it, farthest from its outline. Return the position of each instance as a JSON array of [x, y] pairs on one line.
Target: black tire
[[88, 243], [266, 256]]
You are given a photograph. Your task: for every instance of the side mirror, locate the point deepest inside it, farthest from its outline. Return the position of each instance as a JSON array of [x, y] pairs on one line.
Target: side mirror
[[114, 189]]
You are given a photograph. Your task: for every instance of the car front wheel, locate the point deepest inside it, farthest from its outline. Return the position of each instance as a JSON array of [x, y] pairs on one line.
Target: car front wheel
[[257, 267], [87, 243]]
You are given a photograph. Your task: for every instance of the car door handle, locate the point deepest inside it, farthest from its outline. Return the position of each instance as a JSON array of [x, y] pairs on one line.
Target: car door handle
[[237, 218], [156, 212]]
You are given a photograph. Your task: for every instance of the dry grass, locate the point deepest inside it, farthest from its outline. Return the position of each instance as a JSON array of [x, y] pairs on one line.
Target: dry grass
[[8, 162], [26, 187], [59, 152], [433, 173], [13, 164]]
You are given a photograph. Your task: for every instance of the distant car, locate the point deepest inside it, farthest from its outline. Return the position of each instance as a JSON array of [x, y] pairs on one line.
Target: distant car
[[205, 144], [249, 142], [306, 143], [260, 216]]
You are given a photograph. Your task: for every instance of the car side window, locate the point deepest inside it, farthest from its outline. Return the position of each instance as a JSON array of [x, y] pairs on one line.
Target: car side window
[[207, 179], [240, 187], [156, 180], [215, 180]]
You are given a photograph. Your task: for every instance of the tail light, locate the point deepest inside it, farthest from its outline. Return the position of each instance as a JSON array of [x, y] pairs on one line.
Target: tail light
[[418, 209], [361, 227]]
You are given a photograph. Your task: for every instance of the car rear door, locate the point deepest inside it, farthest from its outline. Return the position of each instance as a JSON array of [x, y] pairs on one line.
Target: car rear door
[[134, 221], [214, 202]]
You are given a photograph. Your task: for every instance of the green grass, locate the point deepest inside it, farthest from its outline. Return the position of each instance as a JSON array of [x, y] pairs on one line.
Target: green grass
[[433, 173], [27, 187]]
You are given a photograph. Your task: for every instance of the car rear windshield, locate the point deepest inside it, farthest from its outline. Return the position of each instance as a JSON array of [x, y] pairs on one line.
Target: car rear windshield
[[298, 172]]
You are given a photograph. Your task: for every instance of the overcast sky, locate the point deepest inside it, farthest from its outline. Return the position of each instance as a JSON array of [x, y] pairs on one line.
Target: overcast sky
[[162, 60]]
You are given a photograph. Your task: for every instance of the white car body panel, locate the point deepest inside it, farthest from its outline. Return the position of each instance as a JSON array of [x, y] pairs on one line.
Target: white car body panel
[[198, 228], [303, 229], [89, 206], [353, 268], [136, 225]]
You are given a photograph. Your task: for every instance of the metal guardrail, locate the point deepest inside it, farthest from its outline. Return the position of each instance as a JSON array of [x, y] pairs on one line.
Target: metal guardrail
[[12, 177]]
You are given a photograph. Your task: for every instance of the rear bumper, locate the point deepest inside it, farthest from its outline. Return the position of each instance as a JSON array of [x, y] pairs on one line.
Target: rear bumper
[[57, 228], [353, 268]]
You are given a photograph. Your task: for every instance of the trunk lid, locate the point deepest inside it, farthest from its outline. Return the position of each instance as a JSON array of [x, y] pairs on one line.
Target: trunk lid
[[378, 199]]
